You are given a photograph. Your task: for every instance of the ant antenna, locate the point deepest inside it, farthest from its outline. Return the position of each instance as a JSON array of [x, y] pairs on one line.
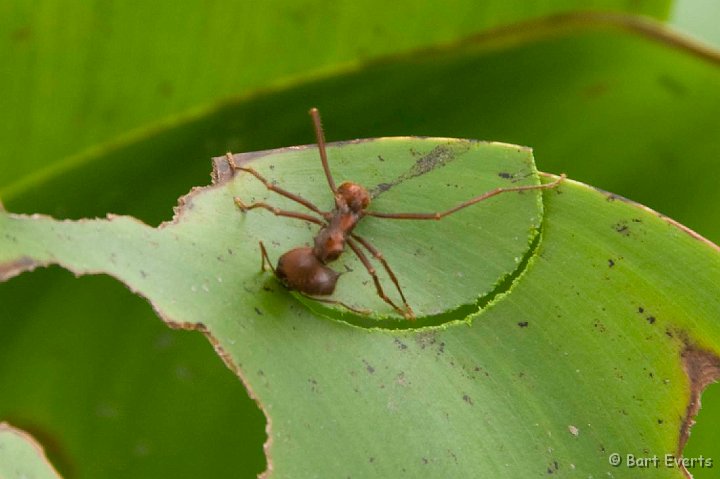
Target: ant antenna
[[320, 136]]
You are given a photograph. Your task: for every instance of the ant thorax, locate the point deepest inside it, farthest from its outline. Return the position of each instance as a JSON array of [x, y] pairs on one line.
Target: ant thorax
[[330, 241], [351, 200]]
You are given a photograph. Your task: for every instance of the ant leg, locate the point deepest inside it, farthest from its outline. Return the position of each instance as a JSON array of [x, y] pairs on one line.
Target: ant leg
[[358, 252], [265, 259], [320, 136], [465, 204], [292, 196], [277, 211], [334, 301], [379, 256]]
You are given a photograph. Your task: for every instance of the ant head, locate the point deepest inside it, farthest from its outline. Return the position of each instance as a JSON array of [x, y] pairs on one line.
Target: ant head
[[355, 196]]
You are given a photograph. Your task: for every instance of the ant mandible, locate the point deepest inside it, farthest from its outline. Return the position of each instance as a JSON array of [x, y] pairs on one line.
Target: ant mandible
[[305, 269]]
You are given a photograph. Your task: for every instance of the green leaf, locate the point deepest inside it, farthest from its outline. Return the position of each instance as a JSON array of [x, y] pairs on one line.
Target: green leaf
[[613, 107], [581, 357]]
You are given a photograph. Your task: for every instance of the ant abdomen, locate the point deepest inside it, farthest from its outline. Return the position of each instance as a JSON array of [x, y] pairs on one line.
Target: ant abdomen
[[299, 269]]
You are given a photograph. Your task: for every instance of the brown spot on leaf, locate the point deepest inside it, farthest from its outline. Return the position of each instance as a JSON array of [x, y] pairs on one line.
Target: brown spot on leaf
[[369, 368], [437, 157], [400, 344], [425, 339], [649, 318], [313, 384], [22, 34], [553, 468], [15, 267], [599, 326], [622, 228], [382, 188], [702, 369]]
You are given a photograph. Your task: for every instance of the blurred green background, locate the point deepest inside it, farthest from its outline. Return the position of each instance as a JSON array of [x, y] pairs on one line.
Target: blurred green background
[[118, 106]]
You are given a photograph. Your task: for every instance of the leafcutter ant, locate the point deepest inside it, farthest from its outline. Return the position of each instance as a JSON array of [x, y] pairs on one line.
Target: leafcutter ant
[[305, 269]]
